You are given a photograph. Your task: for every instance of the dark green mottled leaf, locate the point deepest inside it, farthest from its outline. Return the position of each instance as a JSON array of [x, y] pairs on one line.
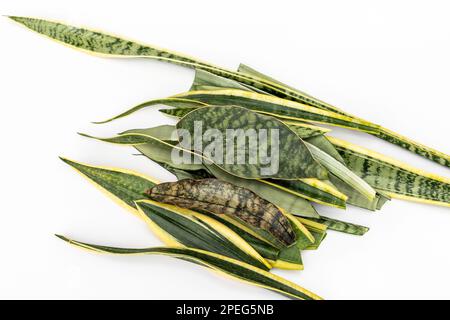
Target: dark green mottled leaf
[[292, 161], [394, 178]]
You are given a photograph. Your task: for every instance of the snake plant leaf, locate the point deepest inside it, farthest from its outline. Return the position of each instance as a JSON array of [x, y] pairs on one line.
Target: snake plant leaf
[[282, 199], [185, 174], [160, 150], [318, 230], [263, 247], [322, 142], [413, 146], [319, 236], [383, 133], [112, 46], [147, 143], [288, 153], [172, 102], [342, 172], [313, 190], [302, 129], [123, 186], [194, 230], [392, 177], [164, 132], [275, 106], [355, 197], [222, 264], [342, 226], [126, 187], [310, 189], [205, 80], [305, 130], [290, 259]]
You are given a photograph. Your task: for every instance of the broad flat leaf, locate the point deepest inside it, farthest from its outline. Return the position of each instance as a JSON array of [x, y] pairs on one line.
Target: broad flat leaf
[[225, 265], [160, 151], [292, 161], [394, 178], [318, 230], [194, 230]]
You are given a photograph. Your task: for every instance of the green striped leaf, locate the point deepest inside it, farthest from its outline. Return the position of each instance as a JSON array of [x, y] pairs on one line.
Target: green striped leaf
[[271, 105], [103, 44], [322, 142], [342, 226], [126, 187], [312, 190], [194, 230], [225, 265], [172, 102], [342, 172], [318, 231], [288, 201], [292, 161], [302, 129], [394, 178], [355, 197], [160, 151]]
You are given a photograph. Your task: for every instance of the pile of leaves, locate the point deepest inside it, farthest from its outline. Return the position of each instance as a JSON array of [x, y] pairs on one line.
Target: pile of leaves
[[205, 226]]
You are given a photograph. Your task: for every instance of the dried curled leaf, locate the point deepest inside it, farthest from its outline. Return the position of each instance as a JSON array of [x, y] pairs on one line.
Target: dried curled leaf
[[219, 197]]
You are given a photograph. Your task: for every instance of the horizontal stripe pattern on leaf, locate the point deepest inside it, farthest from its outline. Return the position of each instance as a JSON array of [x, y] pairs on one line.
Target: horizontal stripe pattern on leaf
[[393, 177]]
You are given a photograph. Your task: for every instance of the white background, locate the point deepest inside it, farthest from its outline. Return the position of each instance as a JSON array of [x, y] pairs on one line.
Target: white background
[[387, 61]]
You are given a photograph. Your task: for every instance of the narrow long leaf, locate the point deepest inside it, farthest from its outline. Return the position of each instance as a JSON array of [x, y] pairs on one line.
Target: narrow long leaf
[[126, 187], [342, 226], [96, 42], [225, 265], [394, 178], [271, 105], [342, 172], [198, 231], [172, 102]]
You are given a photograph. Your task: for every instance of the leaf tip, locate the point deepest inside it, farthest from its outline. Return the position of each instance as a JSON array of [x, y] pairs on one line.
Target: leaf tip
[[62, 237]]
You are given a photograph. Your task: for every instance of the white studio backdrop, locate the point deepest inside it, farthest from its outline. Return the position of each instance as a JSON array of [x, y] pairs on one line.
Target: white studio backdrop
[[386, 61]]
